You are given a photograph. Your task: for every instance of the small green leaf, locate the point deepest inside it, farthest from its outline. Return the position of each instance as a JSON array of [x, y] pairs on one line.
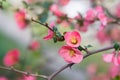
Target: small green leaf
[[55, 39], [116, 46], [88, 46], [81, 48]]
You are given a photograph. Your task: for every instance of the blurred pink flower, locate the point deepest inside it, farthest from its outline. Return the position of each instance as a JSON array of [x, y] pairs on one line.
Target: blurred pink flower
[[103, 18], [29, 78], [50, 33], [102, 37], [54, 8], [114, 71], [99, 9], [34, 45], [3, 78], [92, 69], [117, 10], [21, 19], [12, 57], [70, 55], [64, 2], [115, 34], [73, 38], [114, 58], [90, 15]]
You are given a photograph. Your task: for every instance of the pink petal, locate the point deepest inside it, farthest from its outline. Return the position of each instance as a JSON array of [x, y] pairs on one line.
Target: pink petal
[[108, 57], [11, 57], [65, 53], [69, 35], [90, 15], [115, 61], [50, 33]]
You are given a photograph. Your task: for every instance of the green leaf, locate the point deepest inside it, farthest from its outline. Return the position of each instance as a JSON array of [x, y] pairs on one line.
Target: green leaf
[[81, 48], [88, 46], [116, 46], [55, 39]]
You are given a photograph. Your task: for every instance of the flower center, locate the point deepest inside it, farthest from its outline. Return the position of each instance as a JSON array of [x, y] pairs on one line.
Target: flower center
[[74, 40], [72, 53]]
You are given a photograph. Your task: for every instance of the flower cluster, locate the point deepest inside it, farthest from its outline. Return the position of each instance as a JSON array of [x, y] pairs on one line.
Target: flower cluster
[[69, 52]]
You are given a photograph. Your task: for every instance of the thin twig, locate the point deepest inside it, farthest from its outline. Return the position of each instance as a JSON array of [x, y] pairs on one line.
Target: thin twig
[[22, 72], [46, 25], [69, 65]]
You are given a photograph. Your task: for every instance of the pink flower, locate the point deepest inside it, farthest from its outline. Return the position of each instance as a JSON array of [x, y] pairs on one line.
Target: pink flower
[[54, 8], [12, 57], [103, 18], [73, 38], [102, 37], [92, 69], [70, 55], [99, 9], [29, 78], [64, 2], [90, 15], [50, 33], [21, 19], [3, 78], [114, 57], [114, 71], [34, 45]]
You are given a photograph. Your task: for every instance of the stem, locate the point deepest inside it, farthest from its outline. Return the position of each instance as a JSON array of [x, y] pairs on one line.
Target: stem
[[69, 65], [22, 72], [46, 25]]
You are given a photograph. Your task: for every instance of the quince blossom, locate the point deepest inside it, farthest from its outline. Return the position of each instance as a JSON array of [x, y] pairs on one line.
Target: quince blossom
[[34, 45], [114, 57], [50, 33], [73, 38], [12, 57], [20, 18], [70, 55]]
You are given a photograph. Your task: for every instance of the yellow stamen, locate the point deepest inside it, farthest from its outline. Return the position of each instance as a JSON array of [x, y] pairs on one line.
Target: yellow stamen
[[74, 40], [72, 53]]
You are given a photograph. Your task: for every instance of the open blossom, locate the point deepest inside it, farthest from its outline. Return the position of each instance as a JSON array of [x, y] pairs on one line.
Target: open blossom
[[70, 55], [73, 38], [34, 45], [3, 78], [114, 58], [12, 57], [21, 19], [50, 33], [64, 2]]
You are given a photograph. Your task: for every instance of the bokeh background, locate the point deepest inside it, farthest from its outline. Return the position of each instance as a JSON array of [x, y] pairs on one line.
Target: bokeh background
[[46, 60]]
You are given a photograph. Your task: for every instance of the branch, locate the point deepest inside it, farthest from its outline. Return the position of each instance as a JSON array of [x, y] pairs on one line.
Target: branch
[[69, 65], [46, 25], [58, 71], [22, 72]]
